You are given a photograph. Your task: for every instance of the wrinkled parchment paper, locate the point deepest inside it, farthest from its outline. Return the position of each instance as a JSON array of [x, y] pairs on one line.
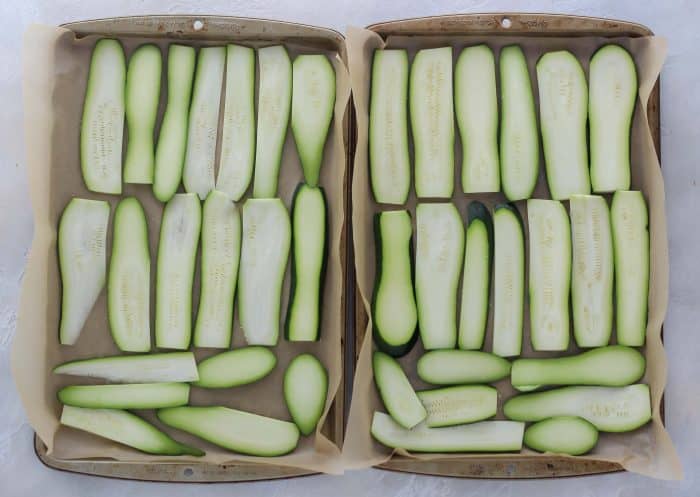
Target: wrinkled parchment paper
[[648, 450], [55, 75]]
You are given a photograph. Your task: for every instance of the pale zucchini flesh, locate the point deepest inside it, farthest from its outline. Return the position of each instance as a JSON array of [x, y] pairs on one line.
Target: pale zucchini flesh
[[234, 368], [305, 390], [562, 435], [454, 367], [133, 396], [396, 392], [459, 404]]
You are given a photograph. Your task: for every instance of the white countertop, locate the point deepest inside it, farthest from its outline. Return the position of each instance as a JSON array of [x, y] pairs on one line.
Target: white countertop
[[21, 474]]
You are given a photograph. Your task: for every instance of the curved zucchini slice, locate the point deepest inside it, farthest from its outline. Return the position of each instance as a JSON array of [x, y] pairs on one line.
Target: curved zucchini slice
[[396, 391], [102, 128], [439, 254], [313, 99], [235, 368], [613, 409], [611, 366], [389, 163], [198, 173], [274, 104], [234, 430], [562, 435], [508, 281], [592, 275], [264, 255], [476, 279], [309, 245], [221, 251], [142, 98], [563, 117], [486, 436], [612, 96], [305, 391], [147, 368], [134, 396], [476, 108], [172, 140], [454, 367], [630, 234], [238, 133], [177, 251], [459, 404], [129, 287], [519, 139], [550, 274], [432, 122], [82, 257], [394, 313], [125, 428]]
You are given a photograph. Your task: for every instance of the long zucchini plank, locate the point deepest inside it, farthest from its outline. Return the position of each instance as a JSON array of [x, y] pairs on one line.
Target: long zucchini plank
[[305, 391], [82, 257], [134, 396], [454, 367], [396, 391], [459, 404], [102, 128], [234, 368]]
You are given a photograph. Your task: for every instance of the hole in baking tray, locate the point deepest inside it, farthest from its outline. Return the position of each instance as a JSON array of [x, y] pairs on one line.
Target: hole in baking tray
[[506, 23], [197, 25], [189, 471]]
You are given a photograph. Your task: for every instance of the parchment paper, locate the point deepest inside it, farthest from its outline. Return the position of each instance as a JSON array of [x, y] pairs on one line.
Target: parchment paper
[[648, 450], [55, 74]]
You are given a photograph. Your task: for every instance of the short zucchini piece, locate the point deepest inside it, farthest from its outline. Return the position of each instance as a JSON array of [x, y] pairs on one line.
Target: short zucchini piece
[[394, 313], [82, 257], [305, 391], [234, 368], [432, 122], [396, 391], [102, 128], [459, 404], [613, 409], [454, 367], [630, 234], [234, 430], [134, 396], [127, 429], [486, 436], [562, 435]]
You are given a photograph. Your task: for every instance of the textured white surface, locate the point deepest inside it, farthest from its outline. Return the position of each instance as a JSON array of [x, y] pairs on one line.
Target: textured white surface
[[21, 474]]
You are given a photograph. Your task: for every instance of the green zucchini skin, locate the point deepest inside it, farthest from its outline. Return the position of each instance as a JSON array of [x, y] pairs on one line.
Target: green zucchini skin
[[454, 367], [305, 391], [562, 435], [129, 396], [235, 368]]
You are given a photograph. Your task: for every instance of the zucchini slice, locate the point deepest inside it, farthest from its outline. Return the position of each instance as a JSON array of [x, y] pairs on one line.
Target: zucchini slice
[[125, 428], [172, 140], [508, 281], [432, 122], [592, 275], [396, 391], [313, 99], [630, 234], [147, 368], [221, 251], [134, 396], [563, 117], [129, 286], [264, 255], [486, 436], [562, 435], [142, 98], [394, 312], [550, 274], [102, 128], [82, 257], [476, 108], [612, 366], [612, 96], [274, 104], [177, 251], [238, 133], [305, 391], [198, 173], [459, 404], [476, 279], [439, 255], [234, 430], [234, 368], [519, 139], [389, 163], [613, 409], [454, 367], [309, 245]]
